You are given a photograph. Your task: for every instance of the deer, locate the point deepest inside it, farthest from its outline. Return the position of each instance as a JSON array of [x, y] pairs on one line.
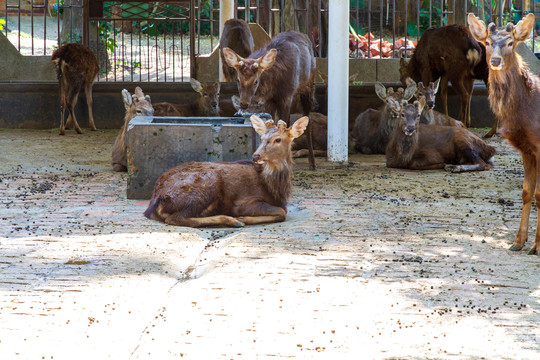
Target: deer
[[275, 74], [430, 116], [372, 128], [206, 105], [417, 146], [514, 97], [236, 36], [137, 104], [451, 53], [76, 68], [233, 194], [299, 145]]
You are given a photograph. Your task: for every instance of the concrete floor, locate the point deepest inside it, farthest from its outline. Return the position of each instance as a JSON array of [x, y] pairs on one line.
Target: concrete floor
[[372, 263]]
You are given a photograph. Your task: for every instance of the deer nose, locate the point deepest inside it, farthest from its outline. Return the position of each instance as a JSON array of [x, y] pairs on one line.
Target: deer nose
[[256, 157], [430, 104], [410, 128], [495, 61], [214, 104], [243, 106]]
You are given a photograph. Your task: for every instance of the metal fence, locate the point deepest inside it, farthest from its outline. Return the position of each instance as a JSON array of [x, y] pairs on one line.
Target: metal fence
[[159, 40]]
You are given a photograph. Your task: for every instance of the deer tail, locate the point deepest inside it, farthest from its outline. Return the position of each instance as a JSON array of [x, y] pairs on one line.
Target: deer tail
[[151, 211]]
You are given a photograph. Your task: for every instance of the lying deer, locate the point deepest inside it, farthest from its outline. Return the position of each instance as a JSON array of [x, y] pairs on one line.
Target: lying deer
[[418, 146], [236, 36], [451, 53], [234, 194], [76, 68], [372, 128], [206, 105], [430, 116], [514, 97], [137, 104], [275, 73]]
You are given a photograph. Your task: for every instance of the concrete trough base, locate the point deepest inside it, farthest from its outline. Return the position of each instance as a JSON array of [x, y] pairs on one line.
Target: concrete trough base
[[157, 144]]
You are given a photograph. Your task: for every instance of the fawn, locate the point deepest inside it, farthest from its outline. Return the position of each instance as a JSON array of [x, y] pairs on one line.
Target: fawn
[[206, 105]]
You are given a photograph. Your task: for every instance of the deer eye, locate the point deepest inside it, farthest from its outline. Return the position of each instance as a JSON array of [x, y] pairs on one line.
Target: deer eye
[[277, 141], [139, 112], [510, 43], [488, 43], [205, 94], [256, 82]]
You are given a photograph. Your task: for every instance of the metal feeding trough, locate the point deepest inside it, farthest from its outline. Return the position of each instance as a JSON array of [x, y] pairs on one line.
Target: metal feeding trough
[[157, 144]]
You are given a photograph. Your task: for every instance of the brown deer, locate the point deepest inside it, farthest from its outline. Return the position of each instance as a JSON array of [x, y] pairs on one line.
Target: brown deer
[[76, 68], [137, 104], [372, 128], [236, 36], [418, 146], [430, 116], [206, 105], [514, 97], [299, 145], [233, 194], [275, 73], [451, 53]]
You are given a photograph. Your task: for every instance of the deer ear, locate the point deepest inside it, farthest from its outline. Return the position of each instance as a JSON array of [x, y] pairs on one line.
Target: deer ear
[[126, 97], [258, 124], [147, 98], [380, 90], [409, 91], [477, 27], [235, 102], [435, 85], [231, 58], [196, 85], [409, 81], [268, 59], [523, 29], [139, 92], [298, 127]]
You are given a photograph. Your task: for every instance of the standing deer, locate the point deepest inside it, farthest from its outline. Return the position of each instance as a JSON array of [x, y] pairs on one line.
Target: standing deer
[[430, 116], [451, 53], [137, 104], [418, 146], [274, 74], [514, 97], [76, 68], [234, 194], [236, 36], [372, 128], [206, 105]]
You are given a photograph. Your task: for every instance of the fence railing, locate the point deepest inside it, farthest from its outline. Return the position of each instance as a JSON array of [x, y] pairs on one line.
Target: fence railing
[[159, 40]]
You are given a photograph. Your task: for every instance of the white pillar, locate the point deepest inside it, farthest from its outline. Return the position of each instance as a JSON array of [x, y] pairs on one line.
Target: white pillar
[[226, 12], [338, 80]]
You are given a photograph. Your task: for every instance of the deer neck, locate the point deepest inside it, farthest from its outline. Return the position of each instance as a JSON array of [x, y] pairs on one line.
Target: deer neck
[[427, 116], [277, 179], [509, 90], [401, 147]]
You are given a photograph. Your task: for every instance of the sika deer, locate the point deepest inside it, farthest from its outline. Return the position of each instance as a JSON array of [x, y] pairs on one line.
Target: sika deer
[[430, 116], [372, 128], [231, 194], [418, 146], [136, 105], [76, 68], [236, 36], [206, 105], [514, 96], [274, 74], [451, 53]]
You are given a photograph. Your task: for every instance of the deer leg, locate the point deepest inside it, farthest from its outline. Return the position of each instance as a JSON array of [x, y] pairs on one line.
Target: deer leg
[[219, 220], [306, 99], [259, 213], [535, 249], [444, 93], [89, 102], [529, 184], [493, 130], [467, 167], [62, 112], [424, 160], [72, 98], [465, 88], [305, 153]]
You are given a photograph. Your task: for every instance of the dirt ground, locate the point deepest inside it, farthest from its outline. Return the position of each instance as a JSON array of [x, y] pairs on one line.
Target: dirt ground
[[372, 263]]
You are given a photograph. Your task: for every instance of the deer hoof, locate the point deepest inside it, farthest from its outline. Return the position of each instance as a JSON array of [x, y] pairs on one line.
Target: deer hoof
[[534, 251], [516, 247], [238, 224], [451, 168]]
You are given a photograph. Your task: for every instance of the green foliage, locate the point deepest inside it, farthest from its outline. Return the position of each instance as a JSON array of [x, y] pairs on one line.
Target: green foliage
[[105, 29]]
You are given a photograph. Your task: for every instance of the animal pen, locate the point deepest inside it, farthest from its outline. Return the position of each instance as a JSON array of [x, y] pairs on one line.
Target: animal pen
[[160, 41]]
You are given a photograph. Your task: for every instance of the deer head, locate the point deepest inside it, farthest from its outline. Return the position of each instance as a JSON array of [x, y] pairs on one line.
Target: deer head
[[275, 148], [249, 72], [252, 108], [428, 92], [209, 100], [501, 43], [408, 115], [137, 104]]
